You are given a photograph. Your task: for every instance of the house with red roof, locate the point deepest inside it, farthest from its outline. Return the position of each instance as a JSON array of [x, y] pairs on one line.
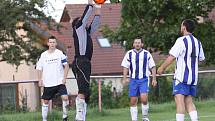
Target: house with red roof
[[107, 56]]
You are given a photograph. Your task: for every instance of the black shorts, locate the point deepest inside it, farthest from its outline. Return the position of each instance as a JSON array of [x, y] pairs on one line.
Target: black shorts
[[50, 92], [81, 68]]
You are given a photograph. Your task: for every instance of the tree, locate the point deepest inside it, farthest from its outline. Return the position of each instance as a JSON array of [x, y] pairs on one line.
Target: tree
[[115, 1], [158, 23], [13, 48]]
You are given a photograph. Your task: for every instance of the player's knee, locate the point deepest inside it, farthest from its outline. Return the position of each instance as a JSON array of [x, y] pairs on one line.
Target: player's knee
[[144, 102], [46, 102], [189, 101], [81, 95], [65, 98], [133, 102]]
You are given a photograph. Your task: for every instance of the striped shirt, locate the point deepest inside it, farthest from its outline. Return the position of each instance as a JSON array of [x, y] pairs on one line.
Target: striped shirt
[[138, 63], [188, 51]]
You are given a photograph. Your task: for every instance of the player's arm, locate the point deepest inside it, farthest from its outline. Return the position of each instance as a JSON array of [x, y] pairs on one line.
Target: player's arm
[[39, 68], [39, 75], [154, 80], [174, 52], [125, 73], [152, 67], [96, 20], [166, 63], [64, 61], [125, 64], [87, 12], [201, 53], [66, 70]]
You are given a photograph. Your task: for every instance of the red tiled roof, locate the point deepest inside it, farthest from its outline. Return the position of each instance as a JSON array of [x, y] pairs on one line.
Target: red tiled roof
[[104, 60]]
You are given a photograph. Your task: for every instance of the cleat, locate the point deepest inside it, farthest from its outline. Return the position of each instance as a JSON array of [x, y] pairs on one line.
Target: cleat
[[65, 119], [146, 119]]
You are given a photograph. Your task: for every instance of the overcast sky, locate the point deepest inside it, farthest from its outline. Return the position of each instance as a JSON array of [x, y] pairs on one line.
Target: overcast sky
[[55, 7]]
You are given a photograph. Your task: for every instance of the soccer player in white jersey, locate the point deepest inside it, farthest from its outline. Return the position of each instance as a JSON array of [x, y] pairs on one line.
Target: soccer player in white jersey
[[138, 62], [187, 51], [52, 70]]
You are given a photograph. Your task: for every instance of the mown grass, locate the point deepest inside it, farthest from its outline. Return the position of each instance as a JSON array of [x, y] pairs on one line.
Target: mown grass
[[158, 112]]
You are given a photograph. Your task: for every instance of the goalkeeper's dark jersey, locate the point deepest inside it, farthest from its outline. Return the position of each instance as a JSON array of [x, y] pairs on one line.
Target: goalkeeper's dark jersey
[[82, 34]]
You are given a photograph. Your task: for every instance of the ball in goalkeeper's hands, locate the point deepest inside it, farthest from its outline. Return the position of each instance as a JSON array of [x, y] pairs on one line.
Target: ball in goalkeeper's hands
[[99, 1]]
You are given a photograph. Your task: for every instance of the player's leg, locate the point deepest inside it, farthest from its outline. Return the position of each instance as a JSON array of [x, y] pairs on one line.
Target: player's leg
[[74, 68], [80, 100], [133, 94], [65, 101], [81, 107], [47, 95], [190, 107], [179, 91], [45, 109], [180, 107], [133, 108], [144, 106], [86, 89], [83, 81], [144, 89]]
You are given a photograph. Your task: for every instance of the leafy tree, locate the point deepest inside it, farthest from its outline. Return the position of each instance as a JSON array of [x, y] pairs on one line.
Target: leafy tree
[[13, 48], [114, 1], [158, 23]]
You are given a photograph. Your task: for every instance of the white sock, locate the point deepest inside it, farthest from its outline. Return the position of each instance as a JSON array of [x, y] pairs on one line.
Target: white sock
[[179, 117], [65, 106], [45, 110], [193, 115], [134, 112], [79, 108], [85, 111], [145, 109]]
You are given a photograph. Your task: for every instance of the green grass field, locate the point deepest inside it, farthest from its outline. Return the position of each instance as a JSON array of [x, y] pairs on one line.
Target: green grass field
[[159, 112]]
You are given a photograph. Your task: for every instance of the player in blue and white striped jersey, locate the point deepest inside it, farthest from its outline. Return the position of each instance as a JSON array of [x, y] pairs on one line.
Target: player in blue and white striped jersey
[[138, 62], [187, 51]]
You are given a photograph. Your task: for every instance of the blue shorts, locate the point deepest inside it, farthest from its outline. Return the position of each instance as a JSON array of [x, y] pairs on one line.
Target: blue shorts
[[184, 89], [138, 86]]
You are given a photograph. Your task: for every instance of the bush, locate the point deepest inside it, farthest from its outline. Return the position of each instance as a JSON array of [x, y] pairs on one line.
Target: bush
[[206, 86], [108, 100], [163, 92]]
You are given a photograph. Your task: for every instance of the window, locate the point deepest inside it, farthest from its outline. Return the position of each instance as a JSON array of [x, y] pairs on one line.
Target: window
[[8, 96], [104, 42]]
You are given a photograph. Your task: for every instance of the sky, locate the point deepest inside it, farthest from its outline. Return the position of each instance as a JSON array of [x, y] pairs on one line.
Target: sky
[[55, 7]]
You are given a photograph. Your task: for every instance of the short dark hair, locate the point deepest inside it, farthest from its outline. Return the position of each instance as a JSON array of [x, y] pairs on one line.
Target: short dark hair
[[75, 21], [189, 24], [141, 38], [52, 37]]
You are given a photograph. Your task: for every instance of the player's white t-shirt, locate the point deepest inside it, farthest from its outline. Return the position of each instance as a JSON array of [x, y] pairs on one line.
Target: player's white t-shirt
[[188, 51], [138, 63], [51, 65]]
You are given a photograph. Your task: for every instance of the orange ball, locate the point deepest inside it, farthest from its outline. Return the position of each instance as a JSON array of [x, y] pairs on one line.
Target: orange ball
[[99, 1]]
